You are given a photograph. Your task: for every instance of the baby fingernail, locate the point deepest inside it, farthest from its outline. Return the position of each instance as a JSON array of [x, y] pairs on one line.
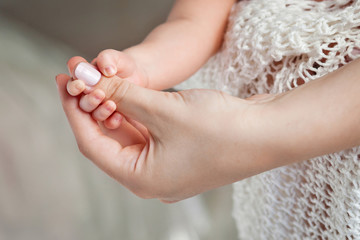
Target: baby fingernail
[[98, 95], [117, 117], [87, 73], [109, 70], [110, 106], [79, 86]]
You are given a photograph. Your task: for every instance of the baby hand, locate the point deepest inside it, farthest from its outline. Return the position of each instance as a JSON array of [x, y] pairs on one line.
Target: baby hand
[[85, 77], [111, 62]]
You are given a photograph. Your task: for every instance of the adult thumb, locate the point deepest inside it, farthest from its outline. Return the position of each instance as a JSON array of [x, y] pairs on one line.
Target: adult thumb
[[133, 101]]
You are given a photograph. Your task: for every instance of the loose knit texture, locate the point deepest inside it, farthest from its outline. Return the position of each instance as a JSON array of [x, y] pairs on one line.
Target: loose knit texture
[[273, 47]]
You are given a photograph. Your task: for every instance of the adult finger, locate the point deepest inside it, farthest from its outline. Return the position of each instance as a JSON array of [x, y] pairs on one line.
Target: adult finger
[[104, 111], [80, 69], [91, 101], [75, 87], [72, 63], [114, 121]]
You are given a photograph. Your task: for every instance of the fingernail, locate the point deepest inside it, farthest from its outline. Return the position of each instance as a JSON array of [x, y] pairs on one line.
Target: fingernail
[[87, 73], [110, 106], [79, 86], [98, 96], [118, 117], [109, 70]]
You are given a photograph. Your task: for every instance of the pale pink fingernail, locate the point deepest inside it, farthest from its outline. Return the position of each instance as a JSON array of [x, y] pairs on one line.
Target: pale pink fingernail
[[98, 96], [110, 106], [109, 70], [118, 117], [87, 73]]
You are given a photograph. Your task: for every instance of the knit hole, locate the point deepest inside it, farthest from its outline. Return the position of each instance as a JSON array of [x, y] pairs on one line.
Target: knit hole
[[296, 83], [348, 4], [322, 226], [269, 80]]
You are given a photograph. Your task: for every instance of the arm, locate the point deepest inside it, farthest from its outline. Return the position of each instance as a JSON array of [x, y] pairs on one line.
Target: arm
[[317, 118], [177, 48]]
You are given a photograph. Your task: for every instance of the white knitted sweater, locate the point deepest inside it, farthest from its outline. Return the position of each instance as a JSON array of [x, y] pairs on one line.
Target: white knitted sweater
[[272, 47]]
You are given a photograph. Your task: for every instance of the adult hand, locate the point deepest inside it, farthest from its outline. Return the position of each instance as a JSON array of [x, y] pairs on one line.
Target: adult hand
[[191, 141]]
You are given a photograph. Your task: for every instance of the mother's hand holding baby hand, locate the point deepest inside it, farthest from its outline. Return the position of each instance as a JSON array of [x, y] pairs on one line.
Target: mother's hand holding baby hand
[[191, 141]]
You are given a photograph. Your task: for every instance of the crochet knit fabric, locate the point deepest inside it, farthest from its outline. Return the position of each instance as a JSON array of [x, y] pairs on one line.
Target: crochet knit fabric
[[273, 47]]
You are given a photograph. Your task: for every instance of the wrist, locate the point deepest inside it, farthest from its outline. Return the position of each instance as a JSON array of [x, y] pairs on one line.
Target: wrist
[[285, 128], [271, 131], [308, 121], [142, 67], [251, 149]]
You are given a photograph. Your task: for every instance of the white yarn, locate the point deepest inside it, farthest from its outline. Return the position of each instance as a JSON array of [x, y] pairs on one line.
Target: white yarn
[[272, 47]]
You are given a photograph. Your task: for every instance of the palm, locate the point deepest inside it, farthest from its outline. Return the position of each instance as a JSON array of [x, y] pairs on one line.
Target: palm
[[126, 134]]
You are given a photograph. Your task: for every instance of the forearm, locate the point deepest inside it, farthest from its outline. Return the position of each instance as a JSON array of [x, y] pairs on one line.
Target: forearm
[[317, 118], [176, 49]]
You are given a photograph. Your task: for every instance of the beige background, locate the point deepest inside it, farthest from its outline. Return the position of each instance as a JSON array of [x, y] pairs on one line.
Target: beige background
[[47, 189], [89, 26]]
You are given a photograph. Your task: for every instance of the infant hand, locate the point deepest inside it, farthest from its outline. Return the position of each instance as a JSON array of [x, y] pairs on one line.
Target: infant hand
[[111, 62]]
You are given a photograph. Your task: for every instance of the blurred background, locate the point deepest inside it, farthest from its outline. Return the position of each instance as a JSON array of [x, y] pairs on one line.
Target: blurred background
[[47, 189]]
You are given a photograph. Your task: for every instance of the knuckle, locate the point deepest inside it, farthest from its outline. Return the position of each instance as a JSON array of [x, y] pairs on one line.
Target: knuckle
[[83, 150], [117, 90]]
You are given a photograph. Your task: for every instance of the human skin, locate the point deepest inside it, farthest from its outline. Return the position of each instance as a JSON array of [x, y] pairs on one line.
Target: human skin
[[171, 53], [188, 144], [172, 146], [196, 140]]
